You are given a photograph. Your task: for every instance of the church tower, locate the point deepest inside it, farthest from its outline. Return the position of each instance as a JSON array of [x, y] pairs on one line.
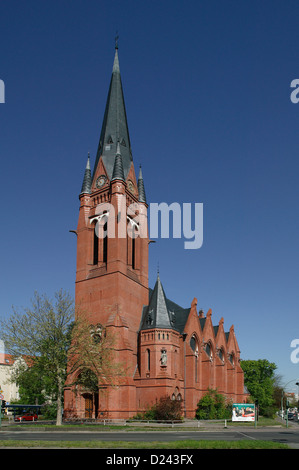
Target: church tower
[[112, 242], [165, 349]]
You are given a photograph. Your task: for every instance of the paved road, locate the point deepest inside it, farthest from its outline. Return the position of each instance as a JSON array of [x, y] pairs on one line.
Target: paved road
[[287, 436]]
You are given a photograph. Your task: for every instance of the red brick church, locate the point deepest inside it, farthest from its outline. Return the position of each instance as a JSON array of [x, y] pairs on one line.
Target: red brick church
[[167, 349]]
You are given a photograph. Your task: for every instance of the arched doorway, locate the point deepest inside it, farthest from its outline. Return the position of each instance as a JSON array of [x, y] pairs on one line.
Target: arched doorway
[[88, 383]]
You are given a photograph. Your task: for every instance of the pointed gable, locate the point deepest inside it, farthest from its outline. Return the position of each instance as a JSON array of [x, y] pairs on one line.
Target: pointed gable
[[131, 181], [208, 329], [192, 323], [221, 345], [232, 344], [220, 334]]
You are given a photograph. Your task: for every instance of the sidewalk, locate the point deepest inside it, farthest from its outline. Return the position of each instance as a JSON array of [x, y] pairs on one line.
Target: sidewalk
[[188, 424]]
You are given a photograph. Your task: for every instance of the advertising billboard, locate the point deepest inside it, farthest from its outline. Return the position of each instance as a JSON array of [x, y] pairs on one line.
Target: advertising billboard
[[243, 412]]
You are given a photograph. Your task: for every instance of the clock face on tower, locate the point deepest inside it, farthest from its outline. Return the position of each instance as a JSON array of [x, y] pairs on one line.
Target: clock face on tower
[[101, 181]]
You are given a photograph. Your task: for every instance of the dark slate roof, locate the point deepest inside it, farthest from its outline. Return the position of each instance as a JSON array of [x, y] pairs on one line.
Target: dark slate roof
[[179, 315], [157, 314], [86, 185], [162, 312], [114, 127], [141, 190]]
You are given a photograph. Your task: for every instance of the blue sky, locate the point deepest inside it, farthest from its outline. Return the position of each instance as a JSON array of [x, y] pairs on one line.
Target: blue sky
[[207, 91]]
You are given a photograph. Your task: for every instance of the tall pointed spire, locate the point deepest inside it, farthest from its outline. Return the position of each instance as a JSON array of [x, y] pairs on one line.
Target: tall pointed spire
[[141, 190], [86, 185], [115, 126]]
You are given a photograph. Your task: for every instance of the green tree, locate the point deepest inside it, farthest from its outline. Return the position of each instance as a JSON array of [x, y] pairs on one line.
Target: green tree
[[259, 379], [31, 385], [54, 346], [213, 405], [41, 335]]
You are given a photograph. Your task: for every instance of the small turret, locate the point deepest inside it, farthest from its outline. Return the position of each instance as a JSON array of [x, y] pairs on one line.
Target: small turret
[[86, 185], [118, 169], [141, 190]]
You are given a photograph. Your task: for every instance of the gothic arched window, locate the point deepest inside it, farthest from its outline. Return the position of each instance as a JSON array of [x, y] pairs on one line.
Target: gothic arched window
[[209, 351], [100, 232], [132, 235], [194, 347], [95, 246], [148, 355], [221, 354]]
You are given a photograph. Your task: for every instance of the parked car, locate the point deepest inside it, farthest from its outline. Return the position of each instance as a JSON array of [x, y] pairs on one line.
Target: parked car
[[26, 417]]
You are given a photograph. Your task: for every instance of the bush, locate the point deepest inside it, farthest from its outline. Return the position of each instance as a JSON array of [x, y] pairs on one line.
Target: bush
[[150, 413], [165, 410], [269, 412], [213, 406], [49, 411]]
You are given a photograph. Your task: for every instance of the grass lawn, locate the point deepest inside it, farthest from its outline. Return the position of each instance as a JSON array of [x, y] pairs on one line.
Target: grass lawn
[[186, 444]]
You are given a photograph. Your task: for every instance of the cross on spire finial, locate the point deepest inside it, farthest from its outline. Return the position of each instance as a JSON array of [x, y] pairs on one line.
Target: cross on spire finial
[[116, 40]]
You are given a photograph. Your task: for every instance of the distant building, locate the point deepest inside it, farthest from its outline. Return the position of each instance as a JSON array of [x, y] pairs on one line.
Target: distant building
[[10, 389], [167, 349]]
